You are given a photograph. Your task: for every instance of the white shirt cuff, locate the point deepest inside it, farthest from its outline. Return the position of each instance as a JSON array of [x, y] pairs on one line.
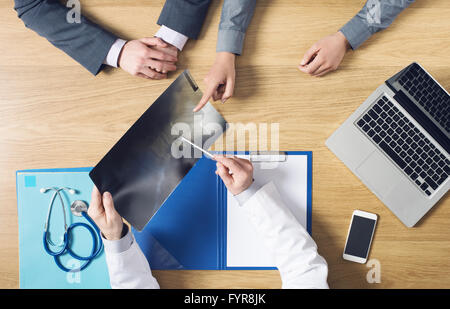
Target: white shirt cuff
[[245, 195], [120, 245], [172, 37], [113, 55]]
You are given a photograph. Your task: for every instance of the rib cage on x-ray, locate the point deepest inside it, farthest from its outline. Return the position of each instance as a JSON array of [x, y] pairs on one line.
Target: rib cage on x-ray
[[140, 171]]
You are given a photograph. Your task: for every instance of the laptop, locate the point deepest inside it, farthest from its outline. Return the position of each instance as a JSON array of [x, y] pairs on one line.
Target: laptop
[[398, 143]]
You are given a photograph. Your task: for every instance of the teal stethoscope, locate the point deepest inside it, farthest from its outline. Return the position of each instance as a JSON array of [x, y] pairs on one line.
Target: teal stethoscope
[[78, 208]]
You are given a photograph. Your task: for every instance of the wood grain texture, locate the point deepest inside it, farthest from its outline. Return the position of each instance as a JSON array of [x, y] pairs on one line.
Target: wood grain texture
[[53, 113]]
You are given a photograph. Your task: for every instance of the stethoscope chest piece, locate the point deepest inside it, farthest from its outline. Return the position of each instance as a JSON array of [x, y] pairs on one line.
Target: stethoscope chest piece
[[78, 207]]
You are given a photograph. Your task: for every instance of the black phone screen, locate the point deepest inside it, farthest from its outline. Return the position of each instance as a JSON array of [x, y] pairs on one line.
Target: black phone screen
[[360, 235]]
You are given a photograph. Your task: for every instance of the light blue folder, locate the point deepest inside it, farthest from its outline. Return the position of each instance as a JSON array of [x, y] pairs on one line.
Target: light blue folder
[[37, 268], [188, 232]]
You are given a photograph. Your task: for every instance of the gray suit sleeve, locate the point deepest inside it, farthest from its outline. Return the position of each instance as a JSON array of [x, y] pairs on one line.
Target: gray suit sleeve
[[184, 16], [85, 42], [236, 16], [376, 15]]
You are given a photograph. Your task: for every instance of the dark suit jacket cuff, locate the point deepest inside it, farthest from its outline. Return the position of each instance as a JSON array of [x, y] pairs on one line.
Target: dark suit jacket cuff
[[184, 17], [99, 51]]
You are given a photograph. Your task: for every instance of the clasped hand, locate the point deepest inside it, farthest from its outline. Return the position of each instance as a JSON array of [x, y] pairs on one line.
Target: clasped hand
[[150, 58]]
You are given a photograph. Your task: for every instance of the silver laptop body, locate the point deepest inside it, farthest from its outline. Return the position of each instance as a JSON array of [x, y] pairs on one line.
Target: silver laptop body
[[416, 108]]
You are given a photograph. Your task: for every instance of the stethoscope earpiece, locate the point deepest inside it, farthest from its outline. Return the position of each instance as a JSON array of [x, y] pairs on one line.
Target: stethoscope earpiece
[[70, 190]]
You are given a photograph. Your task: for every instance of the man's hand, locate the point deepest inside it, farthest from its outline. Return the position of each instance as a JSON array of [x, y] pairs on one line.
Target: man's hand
[[148, 58], [102, 211], [220, 80], [325, 56], [236, 173]]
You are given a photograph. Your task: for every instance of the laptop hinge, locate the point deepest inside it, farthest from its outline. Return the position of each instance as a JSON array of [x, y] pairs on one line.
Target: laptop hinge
[[422, 119]]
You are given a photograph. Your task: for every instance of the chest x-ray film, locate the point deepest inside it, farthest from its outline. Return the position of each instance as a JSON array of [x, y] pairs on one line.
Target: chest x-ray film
[[150, 160]]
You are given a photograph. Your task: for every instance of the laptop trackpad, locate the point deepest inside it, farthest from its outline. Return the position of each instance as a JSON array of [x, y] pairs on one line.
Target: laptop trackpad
[[379, 173]]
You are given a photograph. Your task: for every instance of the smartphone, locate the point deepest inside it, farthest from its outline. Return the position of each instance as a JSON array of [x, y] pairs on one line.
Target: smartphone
[[359, 236]]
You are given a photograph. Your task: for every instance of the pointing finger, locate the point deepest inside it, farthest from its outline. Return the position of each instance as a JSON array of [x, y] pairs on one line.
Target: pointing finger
[[208, 94]]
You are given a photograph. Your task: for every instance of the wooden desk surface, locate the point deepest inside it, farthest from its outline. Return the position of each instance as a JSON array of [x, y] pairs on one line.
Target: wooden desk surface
[[53, 113]]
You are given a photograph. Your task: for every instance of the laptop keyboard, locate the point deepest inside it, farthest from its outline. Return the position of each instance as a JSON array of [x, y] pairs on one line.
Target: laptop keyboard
[[428, 94], [403, 142]]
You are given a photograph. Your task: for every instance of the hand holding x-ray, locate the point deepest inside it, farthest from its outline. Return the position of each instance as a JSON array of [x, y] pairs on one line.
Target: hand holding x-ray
[[102, 211]]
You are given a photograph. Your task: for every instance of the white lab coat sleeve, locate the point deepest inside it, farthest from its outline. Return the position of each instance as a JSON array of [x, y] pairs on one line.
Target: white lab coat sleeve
[[127, 266], [295, 252]]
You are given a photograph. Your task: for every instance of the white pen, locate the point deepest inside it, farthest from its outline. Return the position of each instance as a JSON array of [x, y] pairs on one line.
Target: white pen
[[199, 148]]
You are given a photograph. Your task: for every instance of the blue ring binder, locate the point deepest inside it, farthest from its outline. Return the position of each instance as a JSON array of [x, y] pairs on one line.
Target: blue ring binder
[[214, 255]]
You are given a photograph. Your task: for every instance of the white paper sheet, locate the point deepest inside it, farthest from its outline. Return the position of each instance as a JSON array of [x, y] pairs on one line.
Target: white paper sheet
[[245, 248]]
